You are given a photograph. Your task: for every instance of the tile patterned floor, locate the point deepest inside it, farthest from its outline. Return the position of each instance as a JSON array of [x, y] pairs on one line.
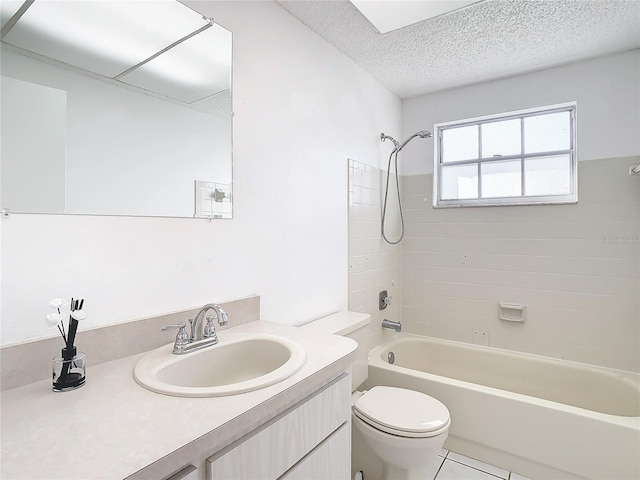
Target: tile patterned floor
[[458, 467]]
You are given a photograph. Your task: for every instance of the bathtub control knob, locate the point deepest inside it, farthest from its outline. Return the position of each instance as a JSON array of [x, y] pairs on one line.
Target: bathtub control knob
[[384, 300]]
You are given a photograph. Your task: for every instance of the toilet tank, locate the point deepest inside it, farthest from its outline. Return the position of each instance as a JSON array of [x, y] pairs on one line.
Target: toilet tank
[[353, 325]]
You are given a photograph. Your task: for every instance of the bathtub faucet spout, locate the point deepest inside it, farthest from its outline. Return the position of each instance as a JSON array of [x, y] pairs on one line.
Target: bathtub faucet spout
[[397, 326]]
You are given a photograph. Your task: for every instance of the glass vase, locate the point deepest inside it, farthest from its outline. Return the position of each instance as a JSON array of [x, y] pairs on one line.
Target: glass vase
[[68, 370]]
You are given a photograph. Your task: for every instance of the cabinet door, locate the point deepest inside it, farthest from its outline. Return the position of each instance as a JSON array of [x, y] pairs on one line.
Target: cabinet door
[[271, 451], [330, 460]]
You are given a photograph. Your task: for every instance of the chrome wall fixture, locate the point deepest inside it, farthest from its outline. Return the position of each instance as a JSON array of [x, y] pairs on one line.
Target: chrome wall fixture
[[397, 147]]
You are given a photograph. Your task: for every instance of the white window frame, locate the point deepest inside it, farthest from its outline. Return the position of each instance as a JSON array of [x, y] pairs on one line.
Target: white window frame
[[571, 197]]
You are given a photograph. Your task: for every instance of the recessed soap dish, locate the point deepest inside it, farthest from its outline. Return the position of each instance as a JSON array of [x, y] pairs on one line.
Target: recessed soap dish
[[511, 312]]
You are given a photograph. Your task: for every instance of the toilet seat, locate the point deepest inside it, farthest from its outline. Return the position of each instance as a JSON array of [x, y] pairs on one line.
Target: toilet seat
[[402, 412]]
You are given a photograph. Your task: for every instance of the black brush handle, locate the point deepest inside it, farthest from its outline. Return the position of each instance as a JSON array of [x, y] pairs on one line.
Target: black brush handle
[[73, 328], [73, 323]]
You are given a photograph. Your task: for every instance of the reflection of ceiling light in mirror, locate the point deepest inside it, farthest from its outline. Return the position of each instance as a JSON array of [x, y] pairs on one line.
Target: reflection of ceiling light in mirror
[[105, 37], [190, 71], [388, 15]]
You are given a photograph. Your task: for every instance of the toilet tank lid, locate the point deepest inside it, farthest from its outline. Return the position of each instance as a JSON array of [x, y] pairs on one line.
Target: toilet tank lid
[[340, 323]]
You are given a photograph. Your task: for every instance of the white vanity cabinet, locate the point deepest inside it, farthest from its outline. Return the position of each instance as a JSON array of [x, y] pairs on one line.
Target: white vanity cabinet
[[310, 440], [329, 460]]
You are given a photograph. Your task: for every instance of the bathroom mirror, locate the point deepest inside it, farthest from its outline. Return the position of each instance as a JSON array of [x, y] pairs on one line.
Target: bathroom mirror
[[115, 108]]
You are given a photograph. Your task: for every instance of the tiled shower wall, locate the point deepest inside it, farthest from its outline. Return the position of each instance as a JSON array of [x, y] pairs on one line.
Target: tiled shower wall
[[374, 265], [575, 267]]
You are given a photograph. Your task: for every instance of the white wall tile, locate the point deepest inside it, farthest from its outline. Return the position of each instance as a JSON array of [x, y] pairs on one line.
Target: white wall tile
[[575, 267], [374, 265]]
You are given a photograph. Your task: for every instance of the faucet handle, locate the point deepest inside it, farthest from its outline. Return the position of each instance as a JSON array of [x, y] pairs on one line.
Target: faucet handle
[[182, 337], [179, 325], [209, 328]]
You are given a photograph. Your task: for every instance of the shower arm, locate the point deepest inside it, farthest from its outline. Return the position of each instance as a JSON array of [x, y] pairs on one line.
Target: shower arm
[[384, 137], [397, 146]]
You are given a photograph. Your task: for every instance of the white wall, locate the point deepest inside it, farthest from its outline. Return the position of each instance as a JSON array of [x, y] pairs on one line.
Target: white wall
[[575, 267], [606, 90], [301, 109]]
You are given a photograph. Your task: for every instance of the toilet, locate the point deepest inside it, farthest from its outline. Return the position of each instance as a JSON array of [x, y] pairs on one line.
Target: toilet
[[405, 429]]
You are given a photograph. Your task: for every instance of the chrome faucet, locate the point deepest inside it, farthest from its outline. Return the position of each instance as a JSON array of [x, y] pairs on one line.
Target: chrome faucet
[[201, 336], [397, 326], [200, 332]]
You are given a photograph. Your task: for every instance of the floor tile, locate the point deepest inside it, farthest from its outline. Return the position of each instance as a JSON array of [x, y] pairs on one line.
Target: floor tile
[[432, 469], [515, 476], [451, 470], [485, 467], [443, 452]]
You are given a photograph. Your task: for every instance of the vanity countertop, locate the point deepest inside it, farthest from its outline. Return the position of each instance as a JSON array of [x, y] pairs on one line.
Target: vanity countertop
[[112, 428]]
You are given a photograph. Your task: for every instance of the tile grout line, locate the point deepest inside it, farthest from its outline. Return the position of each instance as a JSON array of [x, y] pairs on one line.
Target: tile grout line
[[444, 459]]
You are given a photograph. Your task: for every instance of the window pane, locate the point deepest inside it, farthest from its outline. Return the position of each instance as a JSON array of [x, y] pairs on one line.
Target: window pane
[[501, 138], [460, 144], [547, 133], [459, 181], [501, 179], [547, 176]]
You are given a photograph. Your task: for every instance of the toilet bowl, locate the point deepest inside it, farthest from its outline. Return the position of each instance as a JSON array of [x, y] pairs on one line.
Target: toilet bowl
[[405, 429]]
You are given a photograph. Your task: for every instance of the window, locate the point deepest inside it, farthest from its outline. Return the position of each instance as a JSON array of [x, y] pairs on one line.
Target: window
[[517, 158]]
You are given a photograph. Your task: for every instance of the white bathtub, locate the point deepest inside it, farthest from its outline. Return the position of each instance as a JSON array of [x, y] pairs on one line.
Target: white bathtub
[[541, 417]]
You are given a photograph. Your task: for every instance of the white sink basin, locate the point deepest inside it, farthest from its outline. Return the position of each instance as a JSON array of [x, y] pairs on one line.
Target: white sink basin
[[239, 363]]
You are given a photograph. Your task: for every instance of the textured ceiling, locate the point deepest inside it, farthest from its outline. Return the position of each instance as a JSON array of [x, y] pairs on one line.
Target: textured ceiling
[[488, 40]]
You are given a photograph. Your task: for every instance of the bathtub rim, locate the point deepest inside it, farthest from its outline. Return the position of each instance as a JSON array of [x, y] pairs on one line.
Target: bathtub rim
[[375, 359]]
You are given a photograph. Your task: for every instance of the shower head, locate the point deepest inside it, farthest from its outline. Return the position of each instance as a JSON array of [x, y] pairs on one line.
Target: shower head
[[421, 134]]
